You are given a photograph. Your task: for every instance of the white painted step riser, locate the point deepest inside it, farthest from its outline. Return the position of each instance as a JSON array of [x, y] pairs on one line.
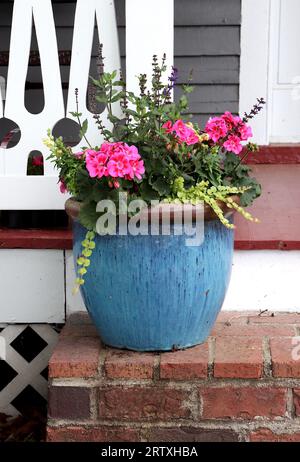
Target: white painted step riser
[[36, 285]]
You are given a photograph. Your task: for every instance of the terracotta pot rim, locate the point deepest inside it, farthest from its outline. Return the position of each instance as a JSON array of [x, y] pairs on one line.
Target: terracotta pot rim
[[72, 207]]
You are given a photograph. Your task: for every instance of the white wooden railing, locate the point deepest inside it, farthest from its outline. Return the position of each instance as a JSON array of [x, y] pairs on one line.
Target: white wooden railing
[[149, 30]]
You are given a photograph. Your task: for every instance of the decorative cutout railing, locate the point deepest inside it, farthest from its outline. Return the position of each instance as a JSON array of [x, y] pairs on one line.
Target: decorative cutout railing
[[149, 30]]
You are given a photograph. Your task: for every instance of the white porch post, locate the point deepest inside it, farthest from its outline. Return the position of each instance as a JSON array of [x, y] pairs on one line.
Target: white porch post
[[254, 73], [149, 31]]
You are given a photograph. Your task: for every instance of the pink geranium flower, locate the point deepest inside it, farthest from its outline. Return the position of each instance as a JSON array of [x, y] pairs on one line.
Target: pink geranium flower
[[78, 154], [137, 168], [184, 133], [245, 132], [168, 126], [118, 165], [114, 184], [117, 160], [180, 129], [191, 138], [62, 187], [216, 128], [96, 163], [233, 144], [230, 120]]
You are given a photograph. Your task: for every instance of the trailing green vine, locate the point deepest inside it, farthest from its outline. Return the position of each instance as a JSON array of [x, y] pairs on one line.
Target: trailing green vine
[[83, 261], [204, 192]]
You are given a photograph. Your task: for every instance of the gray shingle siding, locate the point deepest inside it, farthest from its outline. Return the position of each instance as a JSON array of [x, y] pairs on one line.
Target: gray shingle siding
[[207, 41]]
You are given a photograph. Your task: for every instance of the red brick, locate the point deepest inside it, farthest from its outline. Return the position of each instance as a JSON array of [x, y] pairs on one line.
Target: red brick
[[79, 318], [79, 330], [296, 394], [185, 365], [143, 403], [130, 365], [238, 357], [276, 318], [191, 434], [79, 324], [242, 403], [252, 330], [69, 403], [267, 436], [93, 434], [282, 352], [235, 317], [75, 357]]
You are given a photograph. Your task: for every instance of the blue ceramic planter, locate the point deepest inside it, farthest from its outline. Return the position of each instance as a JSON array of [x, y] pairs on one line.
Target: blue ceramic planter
[[150, 293]]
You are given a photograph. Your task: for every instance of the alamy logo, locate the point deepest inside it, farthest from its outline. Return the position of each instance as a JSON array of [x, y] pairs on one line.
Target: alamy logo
[[2, 348], [136, 218]]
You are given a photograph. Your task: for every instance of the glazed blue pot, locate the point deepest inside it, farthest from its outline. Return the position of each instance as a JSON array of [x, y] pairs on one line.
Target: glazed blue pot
[[151, 293]]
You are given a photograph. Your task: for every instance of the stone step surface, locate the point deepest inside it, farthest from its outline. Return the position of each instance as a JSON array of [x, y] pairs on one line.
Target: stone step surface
[[243, 384]]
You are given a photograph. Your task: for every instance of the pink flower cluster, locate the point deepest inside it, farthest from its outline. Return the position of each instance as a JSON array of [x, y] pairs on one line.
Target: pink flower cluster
[[183, 132], [62, 186], [230, 127], [115, 160]]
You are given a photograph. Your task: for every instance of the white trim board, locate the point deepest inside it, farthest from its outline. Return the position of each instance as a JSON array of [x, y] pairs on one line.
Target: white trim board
[[32, 286], [254, 63], [261, 280], [36, 285], [267, 51]]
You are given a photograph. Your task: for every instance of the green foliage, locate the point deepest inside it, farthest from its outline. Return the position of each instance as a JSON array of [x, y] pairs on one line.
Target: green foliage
[[83, 261], [88, 215], [211, 195], [237, 174]]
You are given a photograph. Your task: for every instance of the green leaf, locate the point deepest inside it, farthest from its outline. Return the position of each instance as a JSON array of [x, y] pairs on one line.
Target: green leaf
[[88, 215], [161, 186], [148, 193], [84, 128], [76, 114], [102, 98], [250, 195]]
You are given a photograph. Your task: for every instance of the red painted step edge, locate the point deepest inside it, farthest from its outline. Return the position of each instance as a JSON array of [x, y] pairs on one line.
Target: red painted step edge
[[276, 154], [62, 240], [36, 239]]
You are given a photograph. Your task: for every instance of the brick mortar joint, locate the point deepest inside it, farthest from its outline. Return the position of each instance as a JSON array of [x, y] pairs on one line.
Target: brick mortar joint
[[265, 382], [290, 405], [156, 368], [267, 358], [101, 362], [284, 424], [211, 357]]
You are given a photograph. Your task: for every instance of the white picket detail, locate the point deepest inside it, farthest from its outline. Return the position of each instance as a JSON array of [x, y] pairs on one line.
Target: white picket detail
[[81, 54], [149, 31]]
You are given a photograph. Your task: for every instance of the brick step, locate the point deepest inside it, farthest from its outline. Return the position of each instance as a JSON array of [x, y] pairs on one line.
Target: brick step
[[243, 384]]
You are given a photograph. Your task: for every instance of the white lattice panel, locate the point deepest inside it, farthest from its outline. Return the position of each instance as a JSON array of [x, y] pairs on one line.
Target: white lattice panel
[[28, 349]]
